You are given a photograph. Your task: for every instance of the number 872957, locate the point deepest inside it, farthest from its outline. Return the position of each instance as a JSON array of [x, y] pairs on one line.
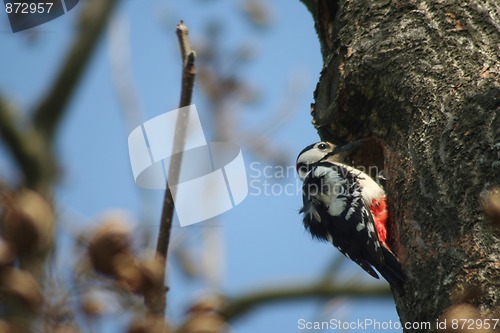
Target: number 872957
[[28, 8]]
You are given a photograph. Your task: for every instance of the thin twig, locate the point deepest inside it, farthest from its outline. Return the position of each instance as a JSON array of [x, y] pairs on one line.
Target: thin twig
[[182, 35], [156, 301]]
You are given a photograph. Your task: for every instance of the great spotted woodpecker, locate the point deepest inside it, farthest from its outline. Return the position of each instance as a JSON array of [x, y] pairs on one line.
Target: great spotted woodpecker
[[346, 207]]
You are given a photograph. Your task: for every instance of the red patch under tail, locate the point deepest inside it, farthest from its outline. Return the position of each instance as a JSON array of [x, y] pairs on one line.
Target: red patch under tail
[[379, 212]]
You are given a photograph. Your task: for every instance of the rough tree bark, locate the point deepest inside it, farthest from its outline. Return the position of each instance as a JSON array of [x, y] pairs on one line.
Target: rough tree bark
[[421, 78]]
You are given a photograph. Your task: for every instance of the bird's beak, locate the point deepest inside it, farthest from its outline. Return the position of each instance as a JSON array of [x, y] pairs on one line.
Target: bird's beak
[[350, 147]]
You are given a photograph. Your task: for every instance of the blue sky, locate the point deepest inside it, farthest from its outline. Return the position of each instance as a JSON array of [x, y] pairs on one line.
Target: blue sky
[[263, 240]]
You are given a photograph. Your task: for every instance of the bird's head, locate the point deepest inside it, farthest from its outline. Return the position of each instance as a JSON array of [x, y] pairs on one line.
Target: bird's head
[[311, 155], [320, 151]]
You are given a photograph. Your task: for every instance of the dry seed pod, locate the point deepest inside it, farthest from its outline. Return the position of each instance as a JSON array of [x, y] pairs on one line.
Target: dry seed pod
[[6, 327], [91, 306], [27, 222], [152, 268], [128, 272], [20, 286], [150, 324], [112, 238], [207, 303], [139, 276], [460, 313], [203, 323], [203, 317], [6, 256]]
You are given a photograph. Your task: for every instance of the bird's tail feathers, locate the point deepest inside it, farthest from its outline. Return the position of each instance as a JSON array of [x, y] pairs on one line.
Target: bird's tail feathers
[[392, 271]]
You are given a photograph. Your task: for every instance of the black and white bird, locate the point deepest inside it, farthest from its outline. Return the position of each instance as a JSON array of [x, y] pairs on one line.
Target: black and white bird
[[347, 208]]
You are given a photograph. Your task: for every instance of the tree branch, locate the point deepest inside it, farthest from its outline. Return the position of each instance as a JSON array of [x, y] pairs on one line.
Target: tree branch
[[49, 112], [31, 145], [243, 304], [156, 301], [28, 148]]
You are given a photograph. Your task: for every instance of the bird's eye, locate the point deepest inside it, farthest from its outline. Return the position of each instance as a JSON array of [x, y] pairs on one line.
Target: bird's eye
[[322, 146]]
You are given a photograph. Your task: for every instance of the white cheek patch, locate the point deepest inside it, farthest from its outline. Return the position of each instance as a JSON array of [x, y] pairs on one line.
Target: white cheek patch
[[312, 156], [309, 157]]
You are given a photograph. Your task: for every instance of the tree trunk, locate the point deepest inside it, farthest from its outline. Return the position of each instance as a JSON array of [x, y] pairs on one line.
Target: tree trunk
[[421, 79]]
